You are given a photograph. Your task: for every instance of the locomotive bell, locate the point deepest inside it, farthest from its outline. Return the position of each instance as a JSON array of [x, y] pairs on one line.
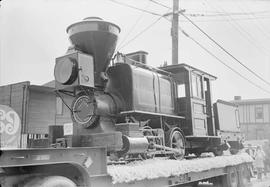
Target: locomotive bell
[[94, 42], [95, 37]]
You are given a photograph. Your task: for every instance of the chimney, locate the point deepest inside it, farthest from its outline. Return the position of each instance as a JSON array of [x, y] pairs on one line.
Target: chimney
[[96, 37]]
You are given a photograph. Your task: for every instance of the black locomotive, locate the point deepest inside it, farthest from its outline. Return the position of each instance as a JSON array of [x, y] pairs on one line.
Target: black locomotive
[[135, 109]]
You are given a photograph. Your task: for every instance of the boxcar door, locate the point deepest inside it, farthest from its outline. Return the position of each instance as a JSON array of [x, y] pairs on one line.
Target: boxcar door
[[198, 103]]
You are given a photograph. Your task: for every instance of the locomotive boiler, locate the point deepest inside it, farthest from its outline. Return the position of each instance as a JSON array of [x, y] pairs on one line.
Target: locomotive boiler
[[132, 108]]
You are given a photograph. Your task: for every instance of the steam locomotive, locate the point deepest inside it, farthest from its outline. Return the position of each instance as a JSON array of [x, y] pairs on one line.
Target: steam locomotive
[[134, 109]]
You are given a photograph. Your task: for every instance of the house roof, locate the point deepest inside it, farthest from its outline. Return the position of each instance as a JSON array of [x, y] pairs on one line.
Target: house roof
[[252, 101]]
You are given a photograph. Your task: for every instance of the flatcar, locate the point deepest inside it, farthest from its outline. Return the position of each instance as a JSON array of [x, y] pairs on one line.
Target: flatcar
[[133, 109]]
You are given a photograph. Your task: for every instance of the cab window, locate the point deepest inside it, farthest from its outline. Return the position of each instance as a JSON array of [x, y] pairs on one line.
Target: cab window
[[196, 81], [181, 90]]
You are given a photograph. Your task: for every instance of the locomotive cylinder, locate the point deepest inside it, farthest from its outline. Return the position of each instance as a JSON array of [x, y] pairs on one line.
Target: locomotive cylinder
[[133, 145]]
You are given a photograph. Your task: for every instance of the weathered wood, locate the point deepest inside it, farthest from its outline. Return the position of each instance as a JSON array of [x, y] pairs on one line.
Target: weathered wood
[[41, 111], [35, 105], [39, 143], [112, 140], [129, 129], [14, 95], [66, 114], [55, 131]]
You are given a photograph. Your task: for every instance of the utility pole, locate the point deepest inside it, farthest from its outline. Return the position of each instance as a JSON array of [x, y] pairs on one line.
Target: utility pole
[[174, 32]]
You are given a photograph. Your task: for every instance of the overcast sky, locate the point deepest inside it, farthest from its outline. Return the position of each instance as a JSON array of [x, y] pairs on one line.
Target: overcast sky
[[33, 34]]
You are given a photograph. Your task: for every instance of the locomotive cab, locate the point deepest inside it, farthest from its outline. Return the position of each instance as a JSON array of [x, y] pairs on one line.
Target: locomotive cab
[[194, 102]]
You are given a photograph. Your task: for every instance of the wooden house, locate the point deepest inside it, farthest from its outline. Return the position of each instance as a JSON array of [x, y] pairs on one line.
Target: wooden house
[[254, 115]]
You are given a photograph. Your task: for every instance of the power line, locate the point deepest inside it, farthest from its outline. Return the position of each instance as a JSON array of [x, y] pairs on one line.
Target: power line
[[244, 33], [215, 42], [140, 33], [145, 29], [259, 25], [232, 19], [221, 61], [227, 14], [209, 52], [209, 20], [247, 35], [220, 14], [133, 26], [158, 3], [218, 59], [215, 13], [227, 52], [136, 8]]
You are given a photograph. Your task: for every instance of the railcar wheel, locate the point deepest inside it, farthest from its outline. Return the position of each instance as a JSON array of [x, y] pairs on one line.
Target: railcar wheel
[[49, 181], [231, 179], [217, 182], [195, 184], [243, 175], [176, 140], [234, 151]]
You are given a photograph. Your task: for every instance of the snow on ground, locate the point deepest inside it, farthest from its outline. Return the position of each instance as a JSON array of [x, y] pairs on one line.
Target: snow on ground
[[162, 167]]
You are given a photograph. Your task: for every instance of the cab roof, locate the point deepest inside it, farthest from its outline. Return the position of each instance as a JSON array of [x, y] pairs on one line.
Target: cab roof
[[185, 67]]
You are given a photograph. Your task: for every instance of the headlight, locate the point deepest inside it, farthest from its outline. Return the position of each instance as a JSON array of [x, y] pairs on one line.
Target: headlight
[[66, 71]]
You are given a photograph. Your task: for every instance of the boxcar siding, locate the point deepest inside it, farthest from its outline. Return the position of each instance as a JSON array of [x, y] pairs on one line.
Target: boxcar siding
[[41, 111], [5, 98], [65, 117]]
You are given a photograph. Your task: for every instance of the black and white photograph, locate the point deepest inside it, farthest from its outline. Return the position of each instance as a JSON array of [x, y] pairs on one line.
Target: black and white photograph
[[134, 93]]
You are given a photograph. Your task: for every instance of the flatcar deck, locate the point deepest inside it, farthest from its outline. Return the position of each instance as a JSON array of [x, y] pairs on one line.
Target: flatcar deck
[[175, 171]]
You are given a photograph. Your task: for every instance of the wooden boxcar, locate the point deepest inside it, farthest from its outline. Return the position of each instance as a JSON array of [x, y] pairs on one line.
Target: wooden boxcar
[[37, 106]]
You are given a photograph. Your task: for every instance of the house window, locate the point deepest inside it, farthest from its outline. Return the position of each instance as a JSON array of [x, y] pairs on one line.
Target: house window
[[259, 112], [196, 86], [59, 106]]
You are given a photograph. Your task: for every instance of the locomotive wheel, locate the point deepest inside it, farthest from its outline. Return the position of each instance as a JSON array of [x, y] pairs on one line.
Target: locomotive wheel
[[146, 132], [176, 140]]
